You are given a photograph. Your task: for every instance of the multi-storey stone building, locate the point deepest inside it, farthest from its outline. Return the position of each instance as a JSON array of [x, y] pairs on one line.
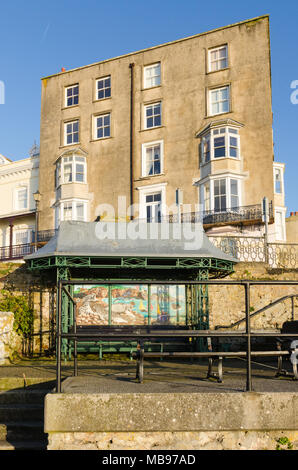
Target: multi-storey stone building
[[187, 122]]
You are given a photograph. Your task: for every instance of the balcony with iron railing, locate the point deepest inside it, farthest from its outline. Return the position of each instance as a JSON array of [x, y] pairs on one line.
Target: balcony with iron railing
[[244, 215]]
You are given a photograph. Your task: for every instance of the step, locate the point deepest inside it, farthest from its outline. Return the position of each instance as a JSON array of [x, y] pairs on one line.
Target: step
[[22, 445], [18, 412], [8, 383], [30, 430], [22, 397]]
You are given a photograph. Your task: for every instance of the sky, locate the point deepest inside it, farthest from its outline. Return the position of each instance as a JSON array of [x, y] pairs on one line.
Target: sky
[[39, 38]]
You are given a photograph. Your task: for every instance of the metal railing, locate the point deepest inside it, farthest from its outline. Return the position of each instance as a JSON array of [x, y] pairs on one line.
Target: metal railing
[[255, 249], [227, 216], [14, 252], [247, 334]]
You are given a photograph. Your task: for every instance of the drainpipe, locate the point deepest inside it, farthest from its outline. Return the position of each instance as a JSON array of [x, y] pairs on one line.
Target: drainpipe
[[131, 66]]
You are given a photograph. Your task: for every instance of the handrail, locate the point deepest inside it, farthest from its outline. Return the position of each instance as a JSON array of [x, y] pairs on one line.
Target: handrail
[[275, 302]]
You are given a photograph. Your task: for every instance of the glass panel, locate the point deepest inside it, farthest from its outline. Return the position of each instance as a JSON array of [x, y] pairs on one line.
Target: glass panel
[[80, 211], [67, 173], [216, 187]]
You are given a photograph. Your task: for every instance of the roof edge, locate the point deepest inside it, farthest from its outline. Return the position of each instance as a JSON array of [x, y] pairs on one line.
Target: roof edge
[[257, 18]]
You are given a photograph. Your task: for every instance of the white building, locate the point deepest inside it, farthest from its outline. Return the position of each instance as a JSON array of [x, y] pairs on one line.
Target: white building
[[18, 183]]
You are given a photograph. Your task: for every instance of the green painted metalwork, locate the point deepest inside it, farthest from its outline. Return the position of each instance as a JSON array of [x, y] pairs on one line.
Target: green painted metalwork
[[99, 269]]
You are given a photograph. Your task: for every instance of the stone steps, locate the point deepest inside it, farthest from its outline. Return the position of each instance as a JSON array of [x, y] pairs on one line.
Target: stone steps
[[22, 418], [26, 445]]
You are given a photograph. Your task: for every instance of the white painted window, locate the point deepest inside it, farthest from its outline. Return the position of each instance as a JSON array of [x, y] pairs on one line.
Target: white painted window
[[152, 158], [71, 132], [72, 95], [22, 198], [152, 75], [22, 236], [102, 126], [278, 181], [152, 201], [71, 169], [153, 207], [221, 194], [220, 143], [72, 209], [152, 115], [218, 58], [219, 100], [103, 88]]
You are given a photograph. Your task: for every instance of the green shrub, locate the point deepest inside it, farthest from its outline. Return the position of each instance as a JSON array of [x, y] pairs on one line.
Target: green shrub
[[23, 314]]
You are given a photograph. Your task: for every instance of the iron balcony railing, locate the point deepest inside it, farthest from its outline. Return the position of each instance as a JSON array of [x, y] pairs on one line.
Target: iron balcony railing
[[15, 251], [213, 217], [44, 235]]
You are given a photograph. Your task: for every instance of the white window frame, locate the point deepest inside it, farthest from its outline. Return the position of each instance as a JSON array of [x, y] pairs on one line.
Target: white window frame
[[210, 181], [222, 131], [74, 202], [71, 87], [63, 162], [95, 127], [144, 157], [213, 90], [17, 200], [104, 88], [218, 59], [155, 78], [282, 211], [146, 106], [26, 230], [280, 169], [148, 190], [72, 133]]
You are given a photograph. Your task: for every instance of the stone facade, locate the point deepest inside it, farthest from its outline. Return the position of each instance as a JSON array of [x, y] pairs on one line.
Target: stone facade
[[227, 303], [183, 90], [214, 440]]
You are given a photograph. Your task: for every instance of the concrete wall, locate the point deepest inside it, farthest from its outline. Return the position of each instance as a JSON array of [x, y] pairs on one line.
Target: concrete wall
[[170, 421]]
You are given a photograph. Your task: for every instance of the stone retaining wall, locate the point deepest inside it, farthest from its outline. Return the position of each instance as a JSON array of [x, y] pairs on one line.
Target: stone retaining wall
[[171, 421]]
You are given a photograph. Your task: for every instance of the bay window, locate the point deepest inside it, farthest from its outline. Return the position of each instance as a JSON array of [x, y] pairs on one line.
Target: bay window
[[71, 169], [220, 143], [73, 209], [221, 194]]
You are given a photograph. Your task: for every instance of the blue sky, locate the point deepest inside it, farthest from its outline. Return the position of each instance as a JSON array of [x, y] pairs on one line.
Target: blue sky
[[38, 38]]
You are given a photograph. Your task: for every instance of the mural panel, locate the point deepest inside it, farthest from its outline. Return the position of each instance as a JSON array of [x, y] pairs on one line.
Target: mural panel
[[129, 305]]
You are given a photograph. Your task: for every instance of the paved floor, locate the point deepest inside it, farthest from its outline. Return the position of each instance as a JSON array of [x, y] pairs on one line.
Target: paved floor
[[159, 376]]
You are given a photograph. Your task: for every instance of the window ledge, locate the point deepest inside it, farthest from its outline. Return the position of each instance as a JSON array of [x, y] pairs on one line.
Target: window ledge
[[149, 177], [151, 87], [216, 71], [69, 145], [69, 107], [151, 128], [101, 99], [209, 116], [101, 139]]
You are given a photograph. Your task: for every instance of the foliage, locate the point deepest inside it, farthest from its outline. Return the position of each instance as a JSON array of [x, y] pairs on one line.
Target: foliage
[[284, 443], [23, 314]]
